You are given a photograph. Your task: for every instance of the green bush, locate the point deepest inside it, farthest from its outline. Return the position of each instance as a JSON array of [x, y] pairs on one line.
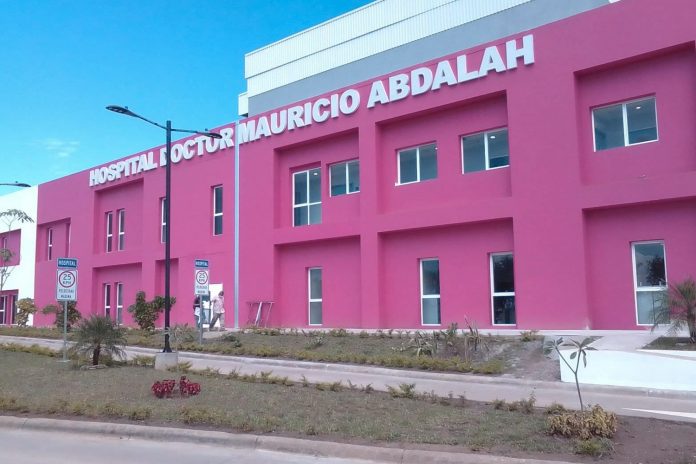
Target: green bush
[[595, 422], [73, 314], [145, 313], [25, 307], [596, 447]]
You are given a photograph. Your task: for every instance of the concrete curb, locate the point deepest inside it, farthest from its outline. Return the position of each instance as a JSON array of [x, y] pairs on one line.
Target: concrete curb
[[260, 442]]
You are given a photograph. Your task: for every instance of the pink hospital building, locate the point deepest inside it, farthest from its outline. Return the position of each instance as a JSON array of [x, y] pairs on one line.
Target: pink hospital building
[[524, 164]]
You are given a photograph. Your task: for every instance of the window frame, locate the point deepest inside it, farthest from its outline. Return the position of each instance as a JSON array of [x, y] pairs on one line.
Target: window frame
[[308, 204], [121, 241], [119, 302], [215, 207], [109, 246], [49, 244], [418, 164], [430, 296], [624, 121], [347, 164], [106, 291], [3, 309], [311, 300], [486, 154], [492, 287], [652, 288]]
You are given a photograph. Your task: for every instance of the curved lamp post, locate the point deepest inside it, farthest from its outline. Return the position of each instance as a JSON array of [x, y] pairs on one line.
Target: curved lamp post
[[167, 205], [15, 184]]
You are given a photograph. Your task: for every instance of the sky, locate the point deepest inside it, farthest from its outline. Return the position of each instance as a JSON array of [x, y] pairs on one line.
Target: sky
[[63, 61]]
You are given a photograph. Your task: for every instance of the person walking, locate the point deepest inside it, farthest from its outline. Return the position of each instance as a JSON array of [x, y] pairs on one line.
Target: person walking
[[218, 309], [197, 311]]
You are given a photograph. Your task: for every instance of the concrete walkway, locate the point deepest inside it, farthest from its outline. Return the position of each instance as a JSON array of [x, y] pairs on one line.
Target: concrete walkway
[[663, 404]]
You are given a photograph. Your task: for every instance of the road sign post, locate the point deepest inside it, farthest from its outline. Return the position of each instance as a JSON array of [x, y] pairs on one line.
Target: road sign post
[[66, 290], [201, 287]]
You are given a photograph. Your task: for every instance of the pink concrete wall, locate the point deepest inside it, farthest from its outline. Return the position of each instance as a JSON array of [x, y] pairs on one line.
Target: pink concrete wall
[[14, 241], [536, 208], [70, 200], [610, 233]]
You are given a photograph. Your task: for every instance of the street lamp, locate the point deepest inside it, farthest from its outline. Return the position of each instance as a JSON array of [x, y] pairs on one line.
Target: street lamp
[[167, 205], [15, 184]]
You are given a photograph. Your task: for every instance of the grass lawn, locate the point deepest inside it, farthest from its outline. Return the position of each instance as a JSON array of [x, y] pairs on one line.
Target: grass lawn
[[671, 343], [40, 385], [388, 348]]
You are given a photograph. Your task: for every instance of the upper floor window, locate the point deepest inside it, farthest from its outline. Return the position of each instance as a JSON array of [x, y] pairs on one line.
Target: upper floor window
[[121, 229], [4, 244], [417, 164], [109, 231], [503, 288], [49, 244], [345, 178], [217, 210], [650, 279], [486, 150], [624, 124], [163, 219], [306, 197]]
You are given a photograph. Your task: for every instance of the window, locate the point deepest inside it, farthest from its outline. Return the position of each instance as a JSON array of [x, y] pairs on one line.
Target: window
[[650, 279], [430, 291], [69, 233], [109, 231], [487, 150], [121, 229], [417, 164], [107, 300], [3, 308], [163, 220], [49, 244], [119, 302], [345, 178], [217, 210], [4, 243], [503, 288], [624, 124], [306, 197], [315, 296]]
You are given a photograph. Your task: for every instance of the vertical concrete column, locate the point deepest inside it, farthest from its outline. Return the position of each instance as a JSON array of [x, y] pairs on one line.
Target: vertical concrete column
[[370, 279], [548, 224]]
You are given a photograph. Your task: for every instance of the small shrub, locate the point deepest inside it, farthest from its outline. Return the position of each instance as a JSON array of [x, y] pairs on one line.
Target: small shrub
[[595, 422], [73, 314], [338, 332], [232, 340], [367, 388], [529, 335], [142, 360], [596, 447], [363, 334], [555, 408], [140, 414], [25, 307], [315, 342], [405, 390], [304, 381]]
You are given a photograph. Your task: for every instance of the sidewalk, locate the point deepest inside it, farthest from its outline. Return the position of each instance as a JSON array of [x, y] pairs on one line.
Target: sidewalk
[[663, 404]]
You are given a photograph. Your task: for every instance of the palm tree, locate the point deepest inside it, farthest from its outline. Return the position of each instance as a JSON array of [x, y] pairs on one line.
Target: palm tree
[[679, 309], [99, 334]]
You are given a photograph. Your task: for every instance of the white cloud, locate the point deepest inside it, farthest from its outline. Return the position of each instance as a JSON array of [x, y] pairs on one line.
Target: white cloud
[[60, 148]]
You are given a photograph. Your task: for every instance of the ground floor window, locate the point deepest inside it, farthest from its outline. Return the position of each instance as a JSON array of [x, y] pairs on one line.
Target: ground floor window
[[3, 308], [503, 288], [119, 303], [649, 278], [107, 300], [315, 296], [430, 291]]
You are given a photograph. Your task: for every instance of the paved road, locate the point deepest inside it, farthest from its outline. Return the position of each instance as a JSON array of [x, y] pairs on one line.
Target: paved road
[[663, 404], [31, 447]]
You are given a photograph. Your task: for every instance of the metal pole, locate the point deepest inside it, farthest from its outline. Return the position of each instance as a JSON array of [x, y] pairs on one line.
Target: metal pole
[[200, 319], [236, 226], [65, 331], [167, 237]]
